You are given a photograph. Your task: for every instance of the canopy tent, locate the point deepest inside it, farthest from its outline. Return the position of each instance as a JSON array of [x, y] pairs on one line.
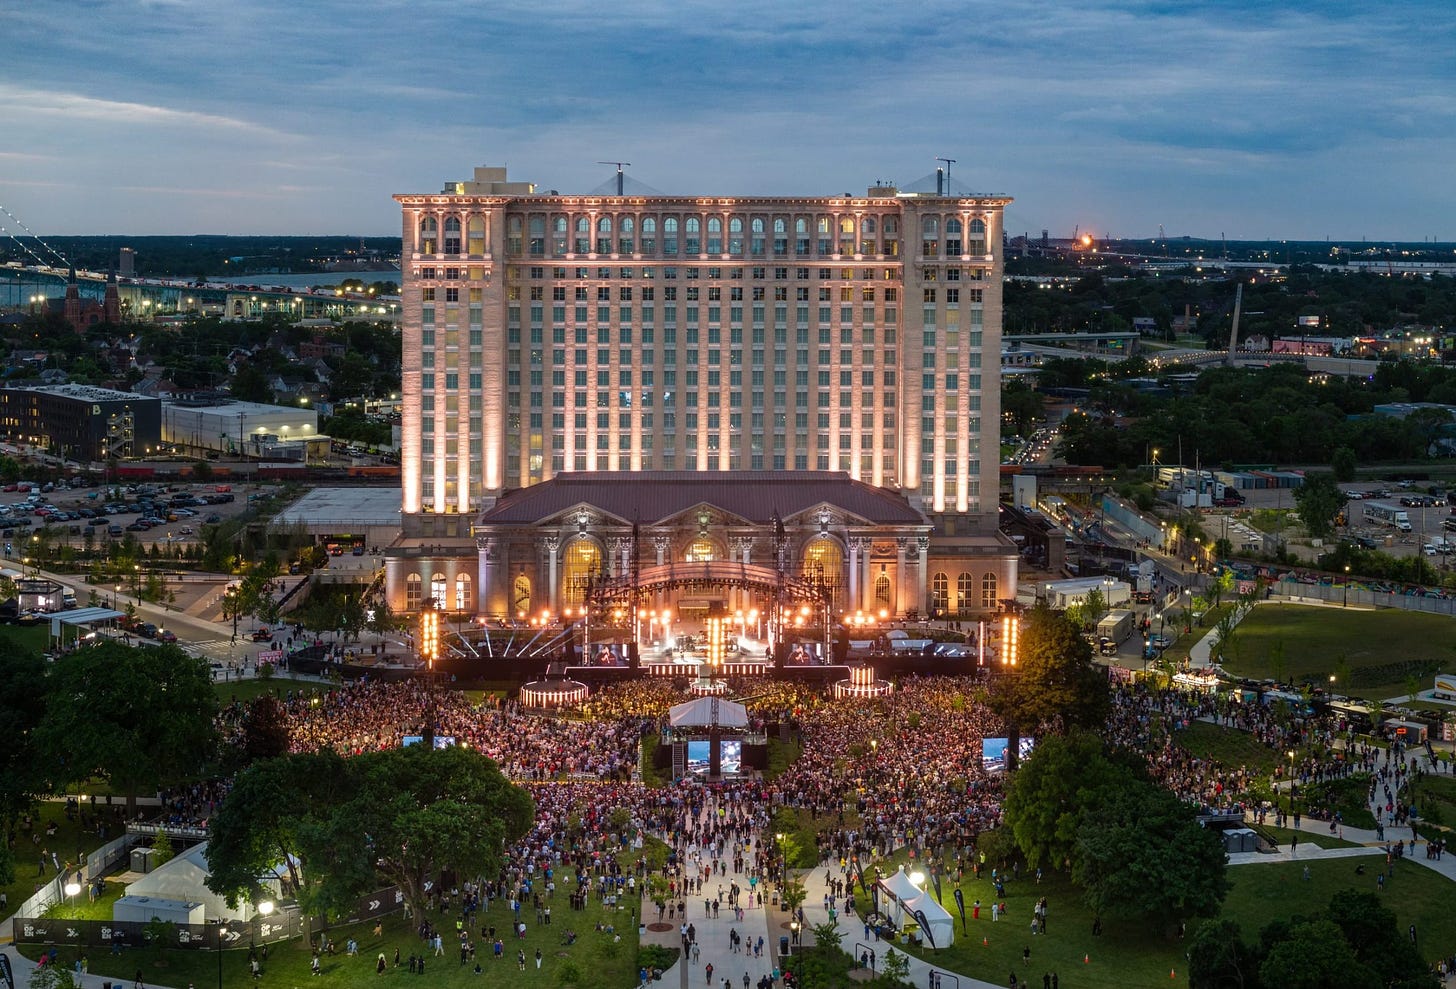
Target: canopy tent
[[707, 712], [910, 900], [79, 618]]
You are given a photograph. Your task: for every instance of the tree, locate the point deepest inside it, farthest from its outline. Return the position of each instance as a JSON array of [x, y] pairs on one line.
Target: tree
[[1087, 613], [162, 850], [1319, 501], [1227, 631], [895, 968], [1048, 796], [1055, 682], [827, 936], [1371, 930], [1021, 405], [1315, 955], [269, 819], [23, 690], [52, 977], [140, 717], [1218, 958], [792, 894], [250, 384], [265, 729], [1143, 853], [1342, 464], [417, 812]]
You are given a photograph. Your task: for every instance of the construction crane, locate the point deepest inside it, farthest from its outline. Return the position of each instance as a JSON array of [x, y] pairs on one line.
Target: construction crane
[[620, 165]]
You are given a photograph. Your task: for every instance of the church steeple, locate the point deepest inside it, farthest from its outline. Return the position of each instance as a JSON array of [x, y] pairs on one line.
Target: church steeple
[[111, 302], [72, 309]]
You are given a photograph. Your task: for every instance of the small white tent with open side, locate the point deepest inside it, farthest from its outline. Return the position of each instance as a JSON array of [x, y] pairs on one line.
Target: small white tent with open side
[[910, 901]]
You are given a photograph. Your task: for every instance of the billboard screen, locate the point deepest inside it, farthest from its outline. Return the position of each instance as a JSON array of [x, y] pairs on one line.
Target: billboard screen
[[731, 757]]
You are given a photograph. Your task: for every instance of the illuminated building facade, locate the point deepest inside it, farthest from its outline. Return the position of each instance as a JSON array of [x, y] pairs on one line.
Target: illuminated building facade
[[546, 335]]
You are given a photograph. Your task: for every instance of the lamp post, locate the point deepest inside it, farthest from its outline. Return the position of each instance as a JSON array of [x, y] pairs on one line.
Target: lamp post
[[73, 886], [1347, 589], [222, 932], [1293, 787]]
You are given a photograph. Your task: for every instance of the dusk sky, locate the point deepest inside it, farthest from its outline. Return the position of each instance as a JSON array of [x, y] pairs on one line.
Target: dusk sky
[[1258, 119]]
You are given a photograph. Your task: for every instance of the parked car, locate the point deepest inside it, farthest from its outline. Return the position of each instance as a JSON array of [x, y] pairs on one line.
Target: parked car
[[261, 635], [147, 630], [167, 636]]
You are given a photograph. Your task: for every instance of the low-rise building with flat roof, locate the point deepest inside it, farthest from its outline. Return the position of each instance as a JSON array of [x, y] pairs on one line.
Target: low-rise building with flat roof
[[80, 422]]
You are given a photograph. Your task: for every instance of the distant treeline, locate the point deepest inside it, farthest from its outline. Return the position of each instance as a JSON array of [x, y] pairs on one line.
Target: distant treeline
[[206, 255]]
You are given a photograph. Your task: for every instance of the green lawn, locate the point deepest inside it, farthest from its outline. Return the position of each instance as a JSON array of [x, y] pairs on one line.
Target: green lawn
[[1132, 953], [781, 755], [652, 776], [1381, 647], [1418, 895], [596, 959], [1436, 800], [82, 907], [69, 843], [1229, 746], [33, 637]]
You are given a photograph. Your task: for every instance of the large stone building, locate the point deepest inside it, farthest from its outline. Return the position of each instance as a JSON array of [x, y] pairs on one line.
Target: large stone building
[[547, 336]]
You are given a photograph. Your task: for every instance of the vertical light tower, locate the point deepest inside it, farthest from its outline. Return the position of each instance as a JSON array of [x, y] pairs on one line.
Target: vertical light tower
[[1010, 640], [717, 640], [429, 635]]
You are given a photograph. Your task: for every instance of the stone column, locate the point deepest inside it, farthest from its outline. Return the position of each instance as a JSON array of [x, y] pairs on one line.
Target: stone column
[[551, 544], [851, 601], [660, 544], [902, 549], [867, 583], [922, 545], [486, 560]]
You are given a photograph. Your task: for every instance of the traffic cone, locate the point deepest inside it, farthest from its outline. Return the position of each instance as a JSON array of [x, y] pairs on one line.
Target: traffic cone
[[1172, 973], [985, 942], [1086, 959]]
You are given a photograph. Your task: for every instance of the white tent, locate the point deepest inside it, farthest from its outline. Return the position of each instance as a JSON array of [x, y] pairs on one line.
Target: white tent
[[909, 898], [708, 711], [184, 877]]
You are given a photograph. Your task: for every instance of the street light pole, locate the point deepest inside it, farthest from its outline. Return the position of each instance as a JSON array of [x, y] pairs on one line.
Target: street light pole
[[221, 933], [1347, 585]]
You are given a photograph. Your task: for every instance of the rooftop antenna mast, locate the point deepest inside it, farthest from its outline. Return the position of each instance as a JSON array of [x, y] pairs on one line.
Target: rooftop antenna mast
[[948, 162], [620, 165]]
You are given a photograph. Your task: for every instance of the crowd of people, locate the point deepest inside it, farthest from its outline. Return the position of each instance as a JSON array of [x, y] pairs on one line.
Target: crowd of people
[[876, 775]]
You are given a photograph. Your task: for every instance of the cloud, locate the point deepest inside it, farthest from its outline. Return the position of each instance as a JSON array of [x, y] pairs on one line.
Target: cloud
[[1120, 113], [78, 106]]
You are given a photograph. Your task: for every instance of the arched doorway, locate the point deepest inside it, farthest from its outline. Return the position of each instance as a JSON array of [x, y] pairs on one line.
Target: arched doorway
[[823, 565], [521, 596], [583, 563], [884, 593]]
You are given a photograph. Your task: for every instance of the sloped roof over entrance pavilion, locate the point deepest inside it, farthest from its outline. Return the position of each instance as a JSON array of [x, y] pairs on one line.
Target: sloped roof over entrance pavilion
[[654, 496]]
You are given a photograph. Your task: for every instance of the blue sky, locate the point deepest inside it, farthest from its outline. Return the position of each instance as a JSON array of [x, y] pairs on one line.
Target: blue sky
[[1255, 119]]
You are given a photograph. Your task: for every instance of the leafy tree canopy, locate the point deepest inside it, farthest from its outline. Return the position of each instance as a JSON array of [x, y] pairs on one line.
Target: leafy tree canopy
[[1055, 683]]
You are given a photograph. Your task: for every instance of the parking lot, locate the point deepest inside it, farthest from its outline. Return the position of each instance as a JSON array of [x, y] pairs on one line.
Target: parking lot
[[154, 513]]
